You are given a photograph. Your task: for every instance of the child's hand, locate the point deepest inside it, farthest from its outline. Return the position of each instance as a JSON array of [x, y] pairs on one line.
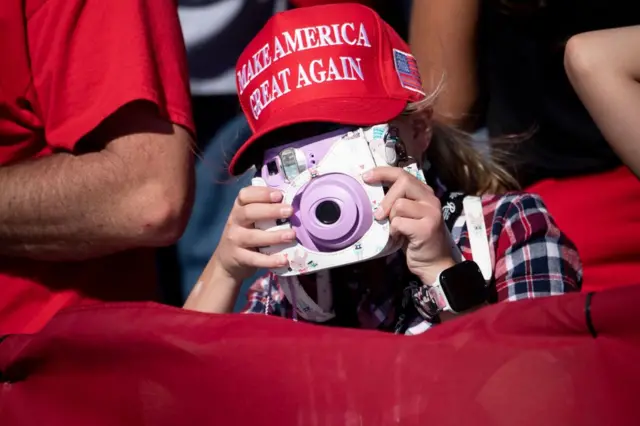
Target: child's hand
[[414, 213], [237, 252]]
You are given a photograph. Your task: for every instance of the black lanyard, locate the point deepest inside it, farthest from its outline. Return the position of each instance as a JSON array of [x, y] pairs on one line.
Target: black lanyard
[[405, 287], [405, 310]]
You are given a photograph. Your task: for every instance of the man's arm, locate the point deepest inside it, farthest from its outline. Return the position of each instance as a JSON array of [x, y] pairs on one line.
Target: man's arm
[[133, 189], [604, 68], [443, 38]]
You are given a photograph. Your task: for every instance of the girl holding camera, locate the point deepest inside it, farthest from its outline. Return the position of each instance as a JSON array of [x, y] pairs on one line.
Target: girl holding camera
[[301, 52]]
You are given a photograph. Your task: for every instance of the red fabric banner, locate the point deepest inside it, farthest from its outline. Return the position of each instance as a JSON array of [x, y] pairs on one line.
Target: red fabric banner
[[524, 363]]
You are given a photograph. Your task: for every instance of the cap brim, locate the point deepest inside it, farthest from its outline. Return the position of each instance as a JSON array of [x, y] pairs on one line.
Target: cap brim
[[347, 111]]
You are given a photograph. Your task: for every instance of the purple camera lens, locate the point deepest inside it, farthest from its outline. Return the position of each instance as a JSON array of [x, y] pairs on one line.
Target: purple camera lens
[[331, 212]]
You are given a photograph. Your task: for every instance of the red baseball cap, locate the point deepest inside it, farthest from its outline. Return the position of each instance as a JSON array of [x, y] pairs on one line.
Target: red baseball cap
[[338, 63]]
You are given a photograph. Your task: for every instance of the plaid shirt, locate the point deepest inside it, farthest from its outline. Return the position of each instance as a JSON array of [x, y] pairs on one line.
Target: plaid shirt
[[531, 257]]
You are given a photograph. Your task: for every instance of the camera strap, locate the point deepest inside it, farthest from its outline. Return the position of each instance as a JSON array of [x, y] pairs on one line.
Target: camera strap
[[478, 240], [453, 205], [303, 304]]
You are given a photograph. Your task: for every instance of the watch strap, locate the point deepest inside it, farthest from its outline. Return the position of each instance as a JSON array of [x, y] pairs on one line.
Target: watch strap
[[430, 300]]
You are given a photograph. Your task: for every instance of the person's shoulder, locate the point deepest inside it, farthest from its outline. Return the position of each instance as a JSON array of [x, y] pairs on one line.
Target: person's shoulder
[[513, 203], [530, 247], [519, 214]]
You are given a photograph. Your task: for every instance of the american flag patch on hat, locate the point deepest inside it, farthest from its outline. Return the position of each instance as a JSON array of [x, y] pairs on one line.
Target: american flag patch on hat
[[407, 68]]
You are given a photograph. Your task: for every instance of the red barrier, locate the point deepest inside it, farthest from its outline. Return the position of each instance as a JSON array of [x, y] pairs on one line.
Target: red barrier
[[525, 363]]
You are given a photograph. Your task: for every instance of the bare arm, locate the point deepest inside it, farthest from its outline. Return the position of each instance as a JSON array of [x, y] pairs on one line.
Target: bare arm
[[215, 292], [132, 190], [604, 68], [237, 256], [443, 38]]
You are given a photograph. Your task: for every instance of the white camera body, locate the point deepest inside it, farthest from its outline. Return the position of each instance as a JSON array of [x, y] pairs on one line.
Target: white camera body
[[321, 177]]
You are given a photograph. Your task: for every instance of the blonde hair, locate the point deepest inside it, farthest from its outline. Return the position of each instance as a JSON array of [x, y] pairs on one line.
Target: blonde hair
[[461, 166]]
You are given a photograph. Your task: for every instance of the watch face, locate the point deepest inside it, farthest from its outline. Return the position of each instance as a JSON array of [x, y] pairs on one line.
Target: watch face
[[464, 286]]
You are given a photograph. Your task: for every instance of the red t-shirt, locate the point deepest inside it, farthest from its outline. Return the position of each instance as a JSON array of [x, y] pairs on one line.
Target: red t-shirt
[[601, 215], [66, 66]]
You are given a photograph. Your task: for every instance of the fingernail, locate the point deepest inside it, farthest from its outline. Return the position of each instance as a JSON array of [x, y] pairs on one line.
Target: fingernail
[[286, 211], [276, 196], [289, 236], [283, 261], [367, 175], [379, 214]]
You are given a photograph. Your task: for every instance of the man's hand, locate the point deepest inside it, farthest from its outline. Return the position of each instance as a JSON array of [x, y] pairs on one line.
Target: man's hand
[[129, 185]]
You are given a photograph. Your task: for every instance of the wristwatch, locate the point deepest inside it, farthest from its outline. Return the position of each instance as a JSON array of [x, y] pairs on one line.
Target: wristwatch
[[457, 289]]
